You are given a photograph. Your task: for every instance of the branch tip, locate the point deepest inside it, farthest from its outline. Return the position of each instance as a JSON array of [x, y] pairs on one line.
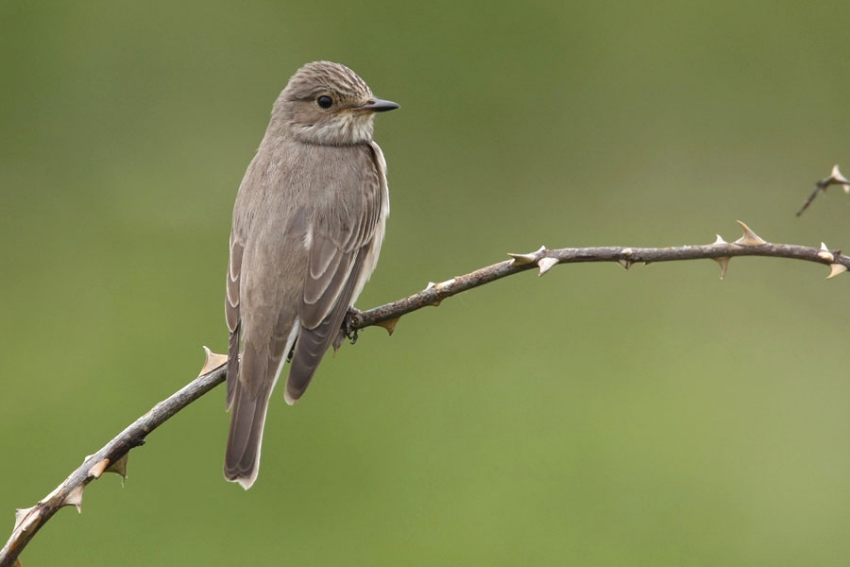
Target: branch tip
[[835, 178]]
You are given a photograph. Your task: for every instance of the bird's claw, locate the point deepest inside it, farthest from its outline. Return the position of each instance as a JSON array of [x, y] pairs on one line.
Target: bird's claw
[[348, 328]]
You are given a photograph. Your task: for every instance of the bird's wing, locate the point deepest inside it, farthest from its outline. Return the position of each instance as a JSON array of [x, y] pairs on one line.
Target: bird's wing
[[231, 310], [268, 325], [342, 243]]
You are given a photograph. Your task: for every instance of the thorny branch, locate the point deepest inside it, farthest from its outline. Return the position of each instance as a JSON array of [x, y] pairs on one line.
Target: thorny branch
[[113, 456]]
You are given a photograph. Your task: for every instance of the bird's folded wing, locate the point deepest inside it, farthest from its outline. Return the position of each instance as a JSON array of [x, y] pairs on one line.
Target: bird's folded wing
[[334, 268], [231, 309]]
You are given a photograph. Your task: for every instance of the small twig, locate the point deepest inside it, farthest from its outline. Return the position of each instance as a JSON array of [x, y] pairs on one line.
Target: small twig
[[112, 457], [835, 178]]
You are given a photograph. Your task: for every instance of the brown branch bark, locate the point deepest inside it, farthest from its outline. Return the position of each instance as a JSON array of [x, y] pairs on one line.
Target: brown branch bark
[[112, 457]]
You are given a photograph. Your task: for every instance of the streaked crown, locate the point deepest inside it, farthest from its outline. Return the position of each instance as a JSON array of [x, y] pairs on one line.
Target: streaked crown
[[324, 76]]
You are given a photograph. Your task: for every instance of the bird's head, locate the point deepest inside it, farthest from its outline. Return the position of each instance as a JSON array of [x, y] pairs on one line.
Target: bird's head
[[328, 104]]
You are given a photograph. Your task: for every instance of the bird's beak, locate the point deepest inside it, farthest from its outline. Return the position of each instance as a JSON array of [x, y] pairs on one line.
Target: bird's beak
[[377, 105]]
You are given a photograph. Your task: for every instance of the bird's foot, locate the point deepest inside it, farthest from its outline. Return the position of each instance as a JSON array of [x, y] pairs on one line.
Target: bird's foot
[[348, 324], [347, 331]]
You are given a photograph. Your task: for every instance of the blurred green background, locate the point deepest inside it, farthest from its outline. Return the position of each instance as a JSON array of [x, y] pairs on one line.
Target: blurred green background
[[593, 417]]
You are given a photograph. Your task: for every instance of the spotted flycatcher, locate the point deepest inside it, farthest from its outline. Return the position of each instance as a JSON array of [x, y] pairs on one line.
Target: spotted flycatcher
[[307, 228]]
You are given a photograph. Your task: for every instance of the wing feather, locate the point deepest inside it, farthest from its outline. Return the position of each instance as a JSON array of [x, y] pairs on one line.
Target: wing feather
[[314, 342], [341, 257], [231, 310], [325, 258]]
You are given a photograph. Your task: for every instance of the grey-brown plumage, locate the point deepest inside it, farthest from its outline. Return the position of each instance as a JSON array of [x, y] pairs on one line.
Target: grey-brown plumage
[[307, 229]]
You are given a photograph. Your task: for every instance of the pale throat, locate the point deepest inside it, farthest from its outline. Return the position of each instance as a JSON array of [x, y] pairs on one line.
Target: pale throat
[[349, 127]]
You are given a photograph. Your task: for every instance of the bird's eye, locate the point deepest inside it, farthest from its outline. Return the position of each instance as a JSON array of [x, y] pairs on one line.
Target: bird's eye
[[325, 101]]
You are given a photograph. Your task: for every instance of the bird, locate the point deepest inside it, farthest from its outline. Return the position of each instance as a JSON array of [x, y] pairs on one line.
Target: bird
[[308, 224]]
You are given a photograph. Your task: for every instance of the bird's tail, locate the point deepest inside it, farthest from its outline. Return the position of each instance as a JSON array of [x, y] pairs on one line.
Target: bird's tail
[[242, 459]]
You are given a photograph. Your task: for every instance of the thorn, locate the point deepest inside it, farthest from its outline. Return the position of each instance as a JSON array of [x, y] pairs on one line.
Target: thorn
[[429, 287], [627, 251], [546, 264], [530, 258], [212, 362], [836, 177], [24, 517], [445, 284], [647, 263], [750, 238], [719, 240], [389, 325], [825, 254], [75, 498], [98, 468], [724, 265], [120, 467], [522, 259], [836, 270], [625, 263]]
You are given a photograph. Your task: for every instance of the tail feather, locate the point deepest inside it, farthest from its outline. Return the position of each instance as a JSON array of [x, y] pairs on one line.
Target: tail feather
[[242, 459]]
